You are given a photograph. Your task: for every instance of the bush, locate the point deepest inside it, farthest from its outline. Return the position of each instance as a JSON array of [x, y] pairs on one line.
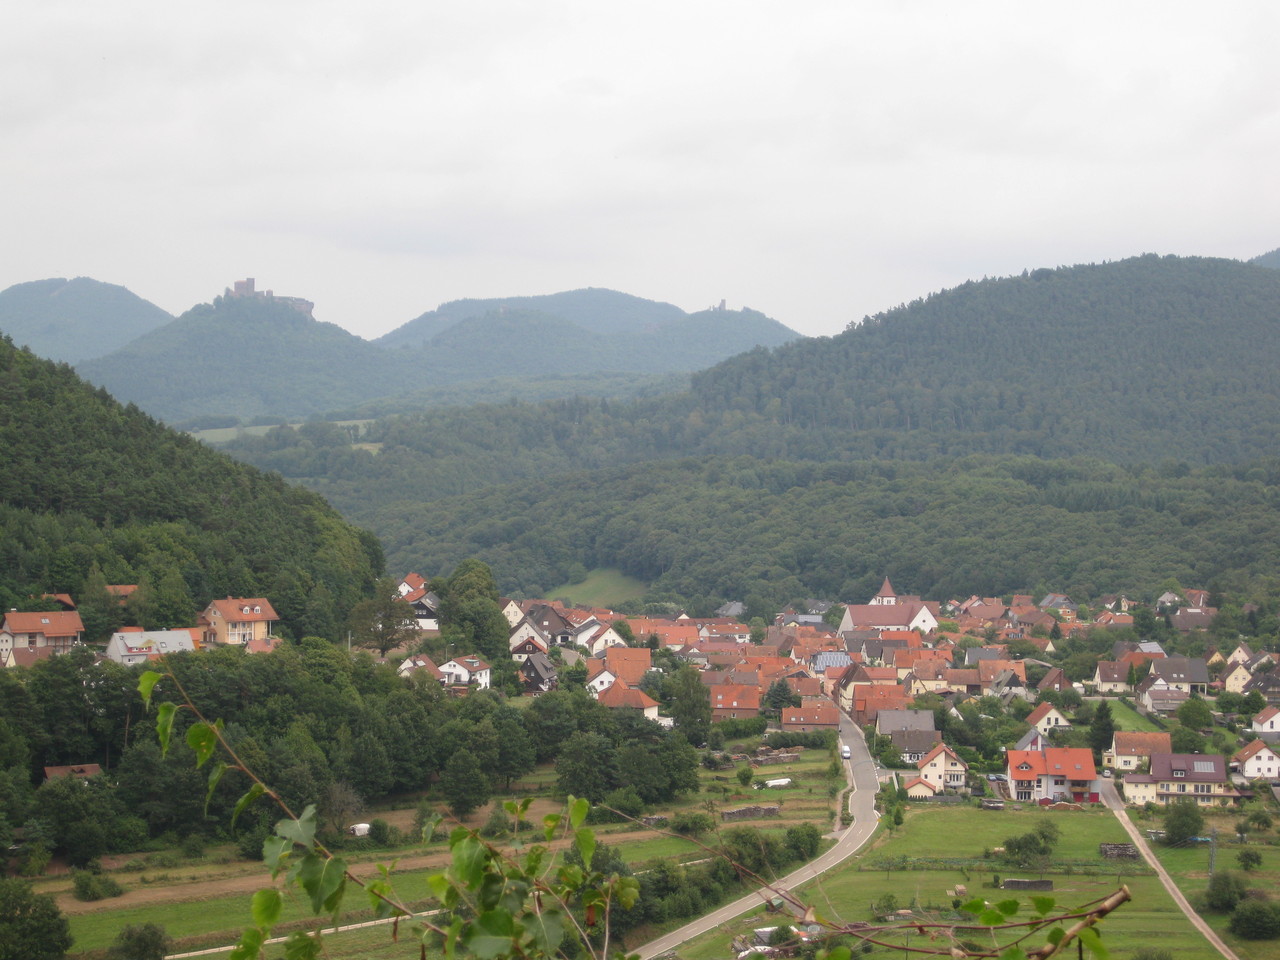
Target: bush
[[192, 846], [140, 941], [498, 825], [1152, 953], [1224, 892], [1255, 920], [383, 834], [89, 886], [691, 823], [1249, 859]]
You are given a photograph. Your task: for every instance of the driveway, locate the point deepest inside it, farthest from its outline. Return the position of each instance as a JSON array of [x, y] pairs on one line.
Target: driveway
[[860, 770], [1111, 797]]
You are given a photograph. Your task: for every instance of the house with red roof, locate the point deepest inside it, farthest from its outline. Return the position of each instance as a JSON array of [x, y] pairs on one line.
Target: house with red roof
[[810, 717], [237, 620], [57, 630], [1266, 723], [468, 671], [1052, 774], [1130, 749], [621, 694], [732, 701], [943, 769], [1046, 718], [1258, 761]]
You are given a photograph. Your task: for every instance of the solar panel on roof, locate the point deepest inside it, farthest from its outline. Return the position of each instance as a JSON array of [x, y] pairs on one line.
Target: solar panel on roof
[[1202, 766]]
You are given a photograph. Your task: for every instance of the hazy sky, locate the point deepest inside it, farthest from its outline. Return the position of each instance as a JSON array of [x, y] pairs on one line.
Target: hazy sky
[[818, 161]]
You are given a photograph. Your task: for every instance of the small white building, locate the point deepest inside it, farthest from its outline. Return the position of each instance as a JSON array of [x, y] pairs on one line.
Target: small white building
[[468, 671], [1258, 761]]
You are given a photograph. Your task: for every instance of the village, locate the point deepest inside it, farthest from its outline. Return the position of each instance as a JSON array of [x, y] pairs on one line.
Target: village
[[957, 699]]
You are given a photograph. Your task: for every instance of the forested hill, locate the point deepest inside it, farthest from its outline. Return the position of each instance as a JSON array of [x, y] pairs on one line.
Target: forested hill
[[74, 320], [1130, 361], [593, 310], [251, 359], [247, 358], [90, 484]]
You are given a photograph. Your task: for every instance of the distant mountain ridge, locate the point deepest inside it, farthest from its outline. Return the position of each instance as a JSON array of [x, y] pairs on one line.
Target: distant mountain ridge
[[74, 320], [255, 358]]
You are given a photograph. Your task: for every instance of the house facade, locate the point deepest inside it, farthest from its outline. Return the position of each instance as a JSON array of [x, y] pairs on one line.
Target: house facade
[[1258, 761], [1130, 750], [943, 769], [469, 671], [1201, 777], [57, 630], [237, 620], [1053, 774]]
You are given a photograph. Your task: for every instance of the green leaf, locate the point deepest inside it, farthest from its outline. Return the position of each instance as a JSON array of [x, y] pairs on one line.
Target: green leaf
[[250, 945], [578, 810], [549, 825], [547, 930], [975, 906], [991, 918], [1092, 941], [303, 946], [429, 827], [202, 738], [1044, 905], [1013, 953], [585, 841], [491, 935], [469, 859], [324, 880], [1056, 935], [1007, 907], [252, 794], [164, 725], [301, 831], [215, 777], [266, 907], [147, 683], [839, 953], [274, 850]]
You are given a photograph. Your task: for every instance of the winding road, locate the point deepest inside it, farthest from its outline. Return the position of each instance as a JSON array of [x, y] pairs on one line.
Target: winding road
[[860, 770]]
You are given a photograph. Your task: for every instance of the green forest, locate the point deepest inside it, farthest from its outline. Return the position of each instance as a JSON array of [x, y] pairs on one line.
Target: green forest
[[249, 359], [98, 492], [1090, 429]]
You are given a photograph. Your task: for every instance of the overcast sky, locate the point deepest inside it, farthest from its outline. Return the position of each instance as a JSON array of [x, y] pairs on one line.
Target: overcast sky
[[818, 161]]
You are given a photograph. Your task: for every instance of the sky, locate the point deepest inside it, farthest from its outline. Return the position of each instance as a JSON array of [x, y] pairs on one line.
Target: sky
[[819, 161]]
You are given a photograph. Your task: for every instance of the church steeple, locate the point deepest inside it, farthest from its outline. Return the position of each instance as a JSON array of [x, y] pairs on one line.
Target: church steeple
[[886, 596]]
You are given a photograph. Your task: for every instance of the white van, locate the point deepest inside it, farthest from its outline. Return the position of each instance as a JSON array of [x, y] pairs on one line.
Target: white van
[[844, 751]]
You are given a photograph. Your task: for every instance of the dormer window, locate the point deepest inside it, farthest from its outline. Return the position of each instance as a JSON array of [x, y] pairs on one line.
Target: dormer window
[[1179, 773]]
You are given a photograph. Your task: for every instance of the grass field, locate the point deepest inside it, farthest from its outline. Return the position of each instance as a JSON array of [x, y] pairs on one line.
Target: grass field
[[1126, 718], [1189, 867], [845, 894], [198, 919], [604, 587]]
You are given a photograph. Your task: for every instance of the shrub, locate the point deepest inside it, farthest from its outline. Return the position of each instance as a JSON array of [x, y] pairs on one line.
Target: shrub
[[691, 823], [498, 824], [1152, 953], [1224, 892], [141, 941], [1249, 859], [1255, 920], [383, 834], [193, 846], [89, 886]]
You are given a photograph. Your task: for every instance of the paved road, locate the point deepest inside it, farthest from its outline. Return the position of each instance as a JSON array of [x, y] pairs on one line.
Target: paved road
[[1111, 797], [861, 773]]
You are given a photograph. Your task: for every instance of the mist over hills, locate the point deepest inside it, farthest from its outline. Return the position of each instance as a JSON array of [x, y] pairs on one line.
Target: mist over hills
[[74, 320]]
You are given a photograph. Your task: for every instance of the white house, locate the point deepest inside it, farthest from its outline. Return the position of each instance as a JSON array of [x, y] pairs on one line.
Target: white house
[[1046, 718], [942, 769], [143, 645], [468, 671], [1258, 761], [1266, 722]]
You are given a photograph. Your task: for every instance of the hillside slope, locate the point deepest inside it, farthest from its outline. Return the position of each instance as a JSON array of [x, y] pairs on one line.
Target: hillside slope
[[74, 320], [88, 482], [248, 358]]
